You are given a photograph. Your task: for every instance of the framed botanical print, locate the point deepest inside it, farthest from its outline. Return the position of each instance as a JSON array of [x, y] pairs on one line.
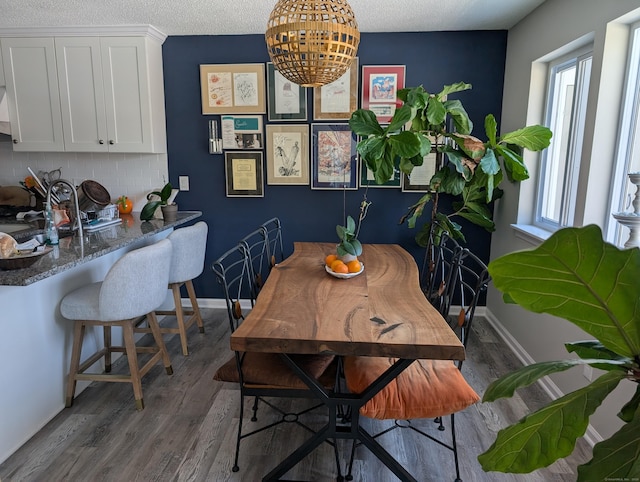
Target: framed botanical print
[[339, 99], [286, 101], [420, 178], [334, 163], [288, 154], [232, 88], [380, 85], [243, 174]]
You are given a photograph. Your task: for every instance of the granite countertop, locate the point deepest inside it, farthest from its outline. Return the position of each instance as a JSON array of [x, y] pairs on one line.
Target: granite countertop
[[69, 253]]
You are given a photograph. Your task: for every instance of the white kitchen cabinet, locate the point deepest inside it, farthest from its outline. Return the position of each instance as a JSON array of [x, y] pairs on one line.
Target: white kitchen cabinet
[[33, 96], [86, 93], [111, 94], [1, 69]]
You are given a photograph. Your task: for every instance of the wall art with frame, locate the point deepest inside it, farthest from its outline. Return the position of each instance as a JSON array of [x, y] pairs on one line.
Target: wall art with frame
[[334, 163], [288, 154], [241, 132], [232, 88], [339, 99], [380, 85], [286, 101], [243, 174]]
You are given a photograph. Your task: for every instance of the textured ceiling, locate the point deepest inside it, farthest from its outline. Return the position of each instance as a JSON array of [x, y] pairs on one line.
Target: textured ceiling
[[218, 17]]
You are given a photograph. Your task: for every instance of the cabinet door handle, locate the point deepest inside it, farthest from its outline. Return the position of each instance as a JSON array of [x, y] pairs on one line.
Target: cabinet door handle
[[100, 141], [15, 141], [111, 142]]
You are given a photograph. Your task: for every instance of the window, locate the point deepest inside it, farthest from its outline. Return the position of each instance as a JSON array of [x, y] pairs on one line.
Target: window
[[628, 150], [567, 91]]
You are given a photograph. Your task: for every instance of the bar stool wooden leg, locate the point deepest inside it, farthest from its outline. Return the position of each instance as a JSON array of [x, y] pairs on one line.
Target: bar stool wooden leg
[[157, 335], [194, 305], [107, 346], [132, 357], [78, 336], [182, 329]]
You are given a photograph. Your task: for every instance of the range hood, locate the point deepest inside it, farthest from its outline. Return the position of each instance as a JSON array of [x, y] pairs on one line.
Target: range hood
[[5, 128]]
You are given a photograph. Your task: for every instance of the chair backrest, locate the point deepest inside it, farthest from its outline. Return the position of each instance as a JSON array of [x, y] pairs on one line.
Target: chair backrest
[[441, 257], [469, 281], [189, 246], [256, 248], [137, 283], [273, 233], [234, 276]]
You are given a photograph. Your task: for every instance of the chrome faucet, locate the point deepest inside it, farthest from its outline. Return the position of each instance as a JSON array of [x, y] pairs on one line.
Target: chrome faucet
[[76, 204]]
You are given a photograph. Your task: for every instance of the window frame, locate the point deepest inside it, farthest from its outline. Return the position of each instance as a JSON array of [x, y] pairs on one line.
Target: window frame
[[580, 59]]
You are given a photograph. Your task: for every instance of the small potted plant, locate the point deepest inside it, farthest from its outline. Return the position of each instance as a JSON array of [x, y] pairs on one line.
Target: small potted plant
[[349, 247], [169, 208]]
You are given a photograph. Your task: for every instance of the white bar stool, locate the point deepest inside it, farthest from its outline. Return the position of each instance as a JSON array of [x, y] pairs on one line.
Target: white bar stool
[[134, 286], [187, 263]]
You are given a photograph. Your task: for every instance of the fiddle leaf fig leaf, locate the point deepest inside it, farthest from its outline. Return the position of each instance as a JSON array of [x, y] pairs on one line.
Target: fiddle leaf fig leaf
[[631, 407], [405, 144], [436, 112], [617, 458], [534, 138], [461, 121], [453, 88], [594, 349], [491, 129], [542, 437], [364, 123], [400, 117], [513, 163], [577, 276]]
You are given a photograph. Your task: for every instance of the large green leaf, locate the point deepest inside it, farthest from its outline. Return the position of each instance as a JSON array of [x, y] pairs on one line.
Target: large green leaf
[[577, 276], [453, 88], [534, 138], [631, 407], [400, 117], [513, 164], [543, 437], [596, 350], [436, 113], [149, 210], [406, 144], [364, 123], [617, 458], [506, 385], [461, 121]]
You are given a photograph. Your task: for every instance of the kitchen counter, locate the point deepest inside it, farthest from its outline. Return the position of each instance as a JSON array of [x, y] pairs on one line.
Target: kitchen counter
[[36, 340], [70, 253]]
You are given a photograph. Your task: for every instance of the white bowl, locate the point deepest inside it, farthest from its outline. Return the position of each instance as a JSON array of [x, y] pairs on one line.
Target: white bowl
[[343, 275]]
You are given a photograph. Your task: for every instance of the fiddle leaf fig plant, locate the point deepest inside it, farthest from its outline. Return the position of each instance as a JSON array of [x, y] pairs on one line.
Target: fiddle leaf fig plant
[[468, 169], [574, 275]]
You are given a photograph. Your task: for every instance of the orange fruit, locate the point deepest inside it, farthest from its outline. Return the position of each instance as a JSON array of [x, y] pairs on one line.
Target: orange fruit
[[354, 266], [330, 259], [339, 267]]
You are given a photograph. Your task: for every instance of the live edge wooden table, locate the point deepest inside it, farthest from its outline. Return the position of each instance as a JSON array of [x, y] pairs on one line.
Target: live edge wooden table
[[382, 312]]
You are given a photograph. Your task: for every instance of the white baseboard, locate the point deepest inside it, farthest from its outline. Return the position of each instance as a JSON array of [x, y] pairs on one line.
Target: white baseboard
[[591, 436]]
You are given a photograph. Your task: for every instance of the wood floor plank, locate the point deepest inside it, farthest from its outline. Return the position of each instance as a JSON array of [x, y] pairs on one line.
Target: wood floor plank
[[187, 431]]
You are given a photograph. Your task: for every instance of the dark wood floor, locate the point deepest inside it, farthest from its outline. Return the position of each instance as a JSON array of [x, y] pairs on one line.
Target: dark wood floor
[[187, 430]]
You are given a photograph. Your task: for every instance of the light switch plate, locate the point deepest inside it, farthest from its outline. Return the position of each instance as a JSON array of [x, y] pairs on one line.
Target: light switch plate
[[184, 183]]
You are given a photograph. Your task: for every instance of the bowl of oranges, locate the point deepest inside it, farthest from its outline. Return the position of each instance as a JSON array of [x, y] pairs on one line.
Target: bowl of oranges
[[342, 269]]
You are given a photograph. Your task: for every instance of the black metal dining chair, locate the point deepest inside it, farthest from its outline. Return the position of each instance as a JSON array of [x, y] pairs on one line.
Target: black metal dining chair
[[427, 388], [263, 375], [273, 232]]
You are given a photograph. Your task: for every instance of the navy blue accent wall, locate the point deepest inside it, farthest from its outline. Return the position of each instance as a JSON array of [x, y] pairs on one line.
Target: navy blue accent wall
[[432, 59]]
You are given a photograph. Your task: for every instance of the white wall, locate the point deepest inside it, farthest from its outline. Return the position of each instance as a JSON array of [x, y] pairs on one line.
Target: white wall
[[133, 175], [553, 25]]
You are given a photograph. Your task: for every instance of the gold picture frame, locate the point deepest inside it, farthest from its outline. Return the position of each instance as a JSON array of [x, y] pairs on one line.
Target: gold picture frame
[[339, 99], [232, 88]]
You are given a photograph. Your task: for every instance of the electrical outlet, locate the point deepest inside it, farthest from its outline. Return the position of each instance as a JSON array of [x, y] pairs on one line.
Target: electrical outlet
[[588, 372], [184, 183]]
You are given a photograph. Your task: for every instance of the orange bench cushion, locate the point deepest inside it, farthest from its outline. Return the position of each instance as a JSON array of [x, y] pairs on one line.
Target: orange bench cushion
[[268, 370], [426, 389]]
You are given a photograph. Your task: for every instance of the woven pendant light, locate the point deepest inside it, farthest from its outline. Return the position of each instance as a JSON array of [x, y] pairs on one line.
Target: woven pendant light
[[312, 42]]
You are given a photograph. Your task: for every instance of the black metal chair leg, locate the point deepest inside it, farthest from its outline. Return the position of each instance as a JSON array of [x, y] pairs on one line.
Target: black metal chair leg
[[254, 418], [235, 463], [353, 453], [455, 447]]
